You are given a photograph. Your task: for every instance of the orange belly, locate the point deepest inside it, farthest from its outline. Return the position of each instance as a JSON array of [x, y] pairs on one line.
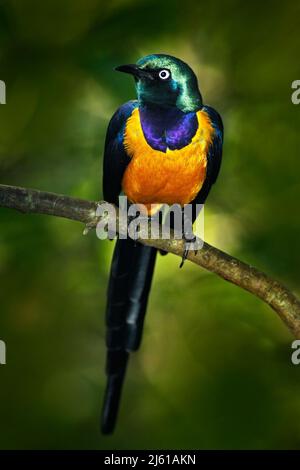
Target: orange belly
[[154, 177]]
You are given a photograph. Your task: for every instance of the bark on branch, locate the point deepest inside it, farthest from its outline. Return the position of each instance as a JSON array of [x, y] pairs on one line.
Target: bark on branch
[[281, 299]]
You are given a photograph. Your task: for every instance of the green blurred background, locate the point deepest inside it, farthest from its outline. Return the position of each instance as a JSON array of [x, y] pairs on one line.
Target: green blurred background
[[214, 370]]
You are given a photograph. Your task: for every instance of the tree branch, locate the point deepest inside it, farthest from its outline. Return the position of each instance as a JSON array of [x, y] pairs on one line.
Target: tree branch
[[229, 268]]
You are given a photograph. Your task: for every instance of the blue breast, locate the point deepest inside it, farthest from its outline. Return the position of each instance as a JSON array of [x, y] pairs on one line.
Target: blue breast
[[167, 127]]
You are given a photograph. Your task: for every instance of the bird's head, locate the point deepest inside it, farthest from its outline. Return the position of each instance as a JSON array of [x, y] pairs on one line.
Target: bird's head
[[165, 81]]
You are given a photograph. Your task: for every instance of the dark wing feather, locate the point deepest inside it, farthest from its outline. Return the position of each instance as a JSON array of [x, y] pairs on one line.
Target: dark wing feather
[[215, 151], [115, 156], [214, 156]]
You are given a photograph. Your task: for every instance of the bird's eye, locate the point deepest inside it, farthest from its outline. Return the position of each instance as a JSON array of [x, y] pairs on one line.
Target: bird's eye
[[164, 74]]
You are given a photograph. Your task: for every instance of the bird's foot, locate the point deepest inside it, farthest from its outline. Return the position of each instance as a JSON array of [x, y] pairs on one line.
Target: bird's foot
[[191, 243], [88, 227]]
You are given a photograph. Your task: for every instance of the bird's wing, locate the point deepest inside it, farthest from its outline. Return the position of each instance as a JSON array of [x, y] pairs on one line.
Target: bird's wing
[[214, 155], [115, 157], [214, 158]]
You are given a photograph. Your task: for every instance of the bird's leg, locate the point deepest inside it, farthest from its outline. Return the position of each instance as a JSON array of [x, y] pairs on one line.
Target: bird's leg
[[191, 241]]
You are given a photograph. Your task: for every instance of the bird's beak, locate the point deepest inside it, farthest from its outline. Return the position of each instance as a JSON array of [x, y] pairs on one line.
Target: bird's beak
[[134, 70]]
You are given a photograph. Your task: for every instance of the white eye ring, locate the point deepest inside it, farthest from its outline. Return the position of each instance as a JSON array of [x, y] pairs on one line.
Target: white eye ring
[[164, 74]]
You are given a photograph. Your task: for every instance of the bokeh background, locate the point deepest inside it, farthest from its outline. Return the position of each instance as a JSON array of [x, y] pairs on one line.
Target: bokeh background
[[214, 370]]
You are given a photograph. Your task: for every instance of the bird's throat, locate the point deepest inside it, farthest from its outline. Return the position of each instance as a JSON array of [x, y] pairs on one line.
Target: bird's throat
[[167, 127]]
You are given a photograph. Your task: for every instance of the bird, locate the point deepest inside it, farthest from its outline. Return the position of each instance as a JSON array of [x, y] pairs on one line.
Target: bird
[[165, 147]]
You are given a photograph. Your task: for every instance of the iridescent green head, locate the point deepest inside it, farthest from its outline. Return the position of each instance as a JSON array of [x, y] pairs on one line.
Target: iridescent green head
[[166, 81]]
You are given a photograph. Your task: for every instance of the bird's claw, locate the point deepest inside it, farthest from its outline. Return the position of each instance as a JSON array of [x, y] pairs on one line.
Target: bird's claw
[[191, 243], [88, 227]]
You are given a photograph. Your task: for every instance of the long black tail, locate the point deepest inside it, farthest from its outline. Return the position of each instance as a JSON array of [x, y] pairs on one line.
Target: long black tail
[[129, 285]]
